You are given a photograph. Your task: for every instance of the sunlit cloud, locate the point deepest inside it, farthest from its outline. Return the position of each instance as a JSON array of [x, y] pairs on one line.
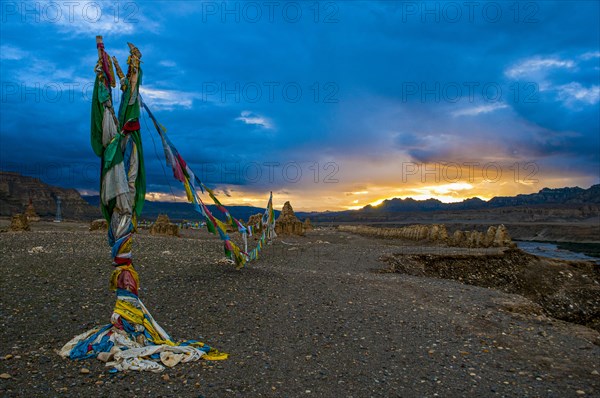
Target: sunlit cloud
[[536, 65], [12, 53], [590, 55], [478, 110], [161, 99], [447, 193], [89, 18], [165, 197], [379, 201], [357, 193], [252, 118], [167, 64], [574, 93]]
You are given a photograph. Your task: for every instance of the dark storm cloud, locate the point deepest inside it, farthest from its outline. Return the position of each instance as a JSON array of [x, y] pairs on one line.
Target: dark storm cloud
[[366, 80]]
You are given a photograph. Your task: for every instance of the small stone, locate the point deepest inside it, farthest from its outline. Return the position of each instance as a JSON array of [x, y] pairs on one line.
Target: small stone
[[99, 225], [5, 376], [105, 356], [580, 392], [9, 356], [307, 391], [165, 377], [99, 382], [84, 371], [595, 372]]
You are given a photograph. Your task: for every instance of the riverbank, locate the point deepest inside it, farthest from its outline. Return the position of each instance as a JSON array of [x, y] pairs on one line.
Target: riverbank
[[563, 250]]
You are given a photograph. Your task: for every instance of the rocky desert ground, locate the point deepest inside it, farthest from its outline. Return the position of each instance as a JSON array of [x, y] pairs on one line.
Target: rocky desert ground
[[331, 314]]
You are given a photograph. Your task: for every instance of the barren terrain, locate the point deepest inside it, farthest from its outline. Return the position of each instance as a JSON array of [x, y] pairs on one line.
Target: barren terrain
[[310, 318]]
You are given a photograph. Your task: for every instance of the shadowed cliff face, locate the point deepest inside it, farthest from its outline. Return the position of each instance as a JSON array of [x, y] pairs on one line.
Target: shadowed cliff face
[[16, 191]]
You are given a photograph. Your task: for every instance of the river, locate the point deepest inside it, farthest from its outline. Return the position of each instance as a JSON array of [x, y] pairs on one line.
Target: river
[[551, 250]]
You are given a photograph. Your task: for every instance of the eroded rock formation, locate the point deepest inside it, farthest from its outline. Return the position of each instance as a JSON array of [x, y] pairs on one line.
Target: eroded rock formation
[[308, 225], [288, 223], [19, 222], [437, 233], [494, 237], [99, 225], [163, 226], [256, 221]]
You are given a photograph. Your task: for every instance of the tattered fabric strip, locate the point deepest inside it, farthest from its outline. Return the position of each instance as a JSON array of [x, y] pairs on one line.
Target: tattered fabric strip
[[183, 173]]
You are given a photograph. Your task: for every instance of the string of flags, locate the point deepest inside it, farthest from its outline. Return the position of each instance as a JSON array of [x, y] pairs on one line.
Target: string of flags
[[192, 184]]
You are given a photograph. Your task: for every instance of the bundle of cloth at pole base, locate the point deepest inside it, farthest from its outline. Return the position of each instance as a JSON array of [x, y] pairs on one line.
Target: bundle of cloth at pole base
[[133, 340]]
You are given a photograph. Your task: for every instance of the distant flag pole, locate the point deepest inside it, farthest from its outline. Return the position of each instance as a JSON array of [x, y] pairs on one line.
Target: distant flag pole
[[58, 216], [133, 340]]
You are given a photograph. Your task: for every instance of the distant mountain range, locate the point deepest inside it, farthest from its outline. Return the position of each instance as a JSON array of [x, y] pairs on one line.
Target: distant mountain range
[[561, 203], [581, 202], [399, 208], [546, 196]]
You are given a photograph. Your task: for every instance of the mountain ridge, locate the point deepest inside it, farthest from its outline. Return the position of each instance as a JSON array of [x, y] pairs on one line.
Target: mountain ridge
[[545, 196], [16, 190], [548, 204]]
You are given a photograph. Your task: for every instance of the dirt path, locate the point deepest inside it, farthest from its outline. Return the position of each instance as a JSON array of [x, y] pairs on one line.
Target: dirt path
[[309, 319]]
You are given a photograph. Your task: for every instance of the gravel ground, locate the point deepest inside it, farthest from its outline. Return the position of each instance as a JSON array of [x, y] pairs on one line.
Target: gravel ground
[[308, 319]]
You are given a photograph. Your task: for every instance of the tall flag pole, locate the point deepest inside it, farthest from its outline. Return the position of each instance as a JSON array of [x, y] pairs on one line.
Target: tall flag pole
[[133, 340]]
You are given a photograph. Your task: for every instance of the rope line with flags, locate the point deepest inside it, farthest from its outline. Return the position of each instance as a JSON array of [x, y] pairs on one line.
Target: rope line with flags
[[183, 173]]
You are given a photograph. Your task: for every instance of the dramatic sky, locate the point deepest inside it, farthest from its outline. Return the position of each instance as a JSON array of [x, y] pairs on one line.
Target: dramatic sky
[[331, 105]]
